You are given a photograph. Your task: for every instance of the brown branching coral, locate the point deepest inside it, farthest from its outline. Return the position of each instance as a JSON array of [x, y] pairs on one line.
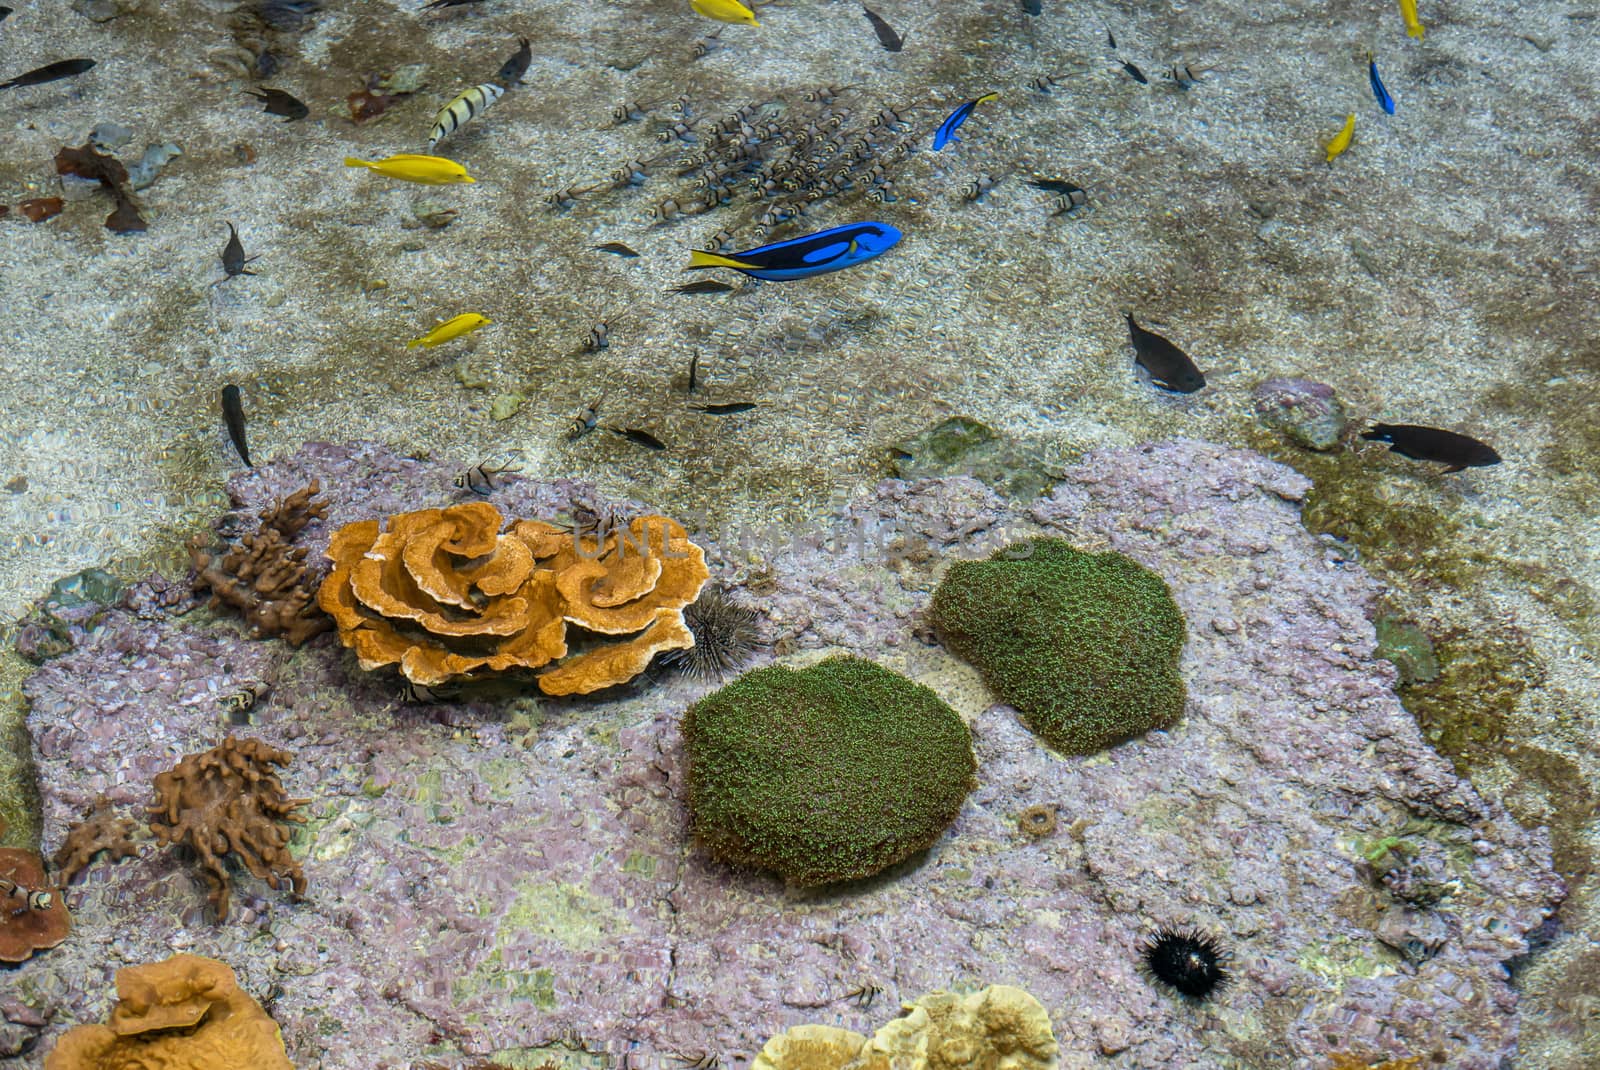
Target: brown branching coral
[[100, 830], [32, 916], [229, 800], [263, 576], [186, 1013], [444, 594]]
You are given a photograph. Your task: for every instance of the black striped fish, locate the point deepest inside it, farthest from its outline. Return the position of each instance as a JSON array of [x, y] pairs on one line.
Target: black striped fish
[[462, 110]]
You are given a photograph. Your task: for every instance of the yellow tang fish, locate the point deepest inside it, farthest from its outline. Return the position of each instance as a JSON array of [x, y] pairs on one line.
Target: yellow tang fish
[[1341, 140], [725, 11], [429, 170], [451, 328], [1408, 11]]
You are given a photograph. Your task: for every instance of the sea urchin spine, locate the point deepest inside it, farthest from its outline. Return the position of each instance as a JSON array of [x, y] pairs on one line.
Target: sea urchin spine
[[1188, 961], [724, 635]]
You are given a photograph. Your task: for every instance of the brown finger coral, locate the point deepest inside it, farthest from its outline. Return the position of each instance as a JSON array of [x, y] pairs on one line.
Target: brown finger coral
[[100, 830], [33, 917], [229, 800], [263, 576], [185, 1013], [445, 594]]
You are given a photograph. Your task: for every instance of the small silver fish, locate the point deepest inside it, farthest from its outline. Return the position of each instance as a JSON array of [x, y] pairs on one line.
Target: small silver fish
[[422, 694], [244, 700], [25, 898], [479, 479], [974, 190], [456, 114], [587, 419]]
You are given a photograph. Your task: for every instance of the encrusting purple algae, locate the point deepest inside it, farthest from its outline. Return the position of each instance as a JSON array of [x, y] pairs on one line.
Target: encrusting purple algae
[[500, 872]]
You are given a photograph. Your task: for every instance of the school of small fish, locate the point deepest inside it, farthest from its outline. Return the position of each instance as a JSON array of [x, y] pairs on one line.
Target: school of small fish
[[782, 157]]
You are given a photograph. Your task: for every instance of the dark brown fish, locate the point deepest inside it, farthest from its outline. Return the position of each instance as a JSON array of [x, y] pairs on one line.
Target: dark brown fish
[[1170, 367], [62, 68], [1432, 444], [512, 70], [638, 437], [439, 5], [1135, 73], [233, 258], [694, 371], [725, 409], [233, 416], [616, 247], [704, 286], [4, 11], [891, 41], [1059, 186], [280, 103]]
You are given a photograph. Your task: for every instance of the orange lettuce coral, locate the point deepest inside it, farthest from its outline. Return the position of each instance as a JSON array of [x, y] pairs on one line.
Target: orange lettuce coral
[[445, 594], [186, 1013]]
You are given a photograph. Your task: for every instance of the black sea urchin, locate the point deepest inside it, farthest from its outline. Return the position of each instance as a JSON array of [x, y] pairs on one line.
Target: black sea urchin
[[724, 635], [1189, 962]]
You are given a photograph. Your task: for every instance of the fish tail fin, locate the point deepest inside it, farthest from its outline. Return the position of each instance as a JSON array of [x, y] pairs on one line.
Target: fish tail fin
[[351, 161], [699, 258]]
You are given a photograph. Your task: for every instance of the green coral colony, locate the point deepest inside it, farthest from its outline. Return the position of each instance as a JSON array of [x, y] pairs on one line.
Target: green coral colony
[[827, 773], [1085, 645]]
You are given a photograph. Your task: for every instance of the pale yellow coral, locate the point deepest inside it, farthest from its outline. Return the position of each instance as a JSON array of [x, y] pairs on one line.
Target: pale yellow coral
[[998, 1028], [809, 1047]]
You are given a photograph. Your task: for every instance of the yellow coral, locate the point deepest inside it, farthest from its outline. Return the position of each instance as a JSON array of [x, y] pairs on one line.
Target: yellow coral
[[998, 1028], [185, 1013], [809, 1047]]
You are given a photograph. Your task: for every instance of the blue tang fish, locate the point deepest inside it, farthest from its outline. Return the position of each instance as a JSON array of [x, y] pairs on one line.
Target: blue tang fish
[[947, 129], [1378, 85], [1378, 89], [805, 256]]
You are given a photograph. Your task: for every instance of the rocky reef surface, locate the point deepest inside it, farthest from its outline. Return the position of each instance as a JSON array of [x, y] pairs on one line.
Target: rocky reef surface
[[495, 875]]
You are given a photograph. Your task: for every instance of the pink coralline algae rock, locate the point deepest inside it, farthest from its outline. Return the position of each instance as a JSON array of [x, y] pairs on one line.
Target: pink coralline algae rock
[[503, 874], [1308, 412]]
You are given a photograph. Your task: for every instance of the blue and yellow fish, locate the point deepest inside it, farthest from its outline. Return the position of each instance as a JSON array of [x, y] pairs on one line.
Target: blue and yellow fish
[[1378, 88], [808, 255], [947, 129]]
